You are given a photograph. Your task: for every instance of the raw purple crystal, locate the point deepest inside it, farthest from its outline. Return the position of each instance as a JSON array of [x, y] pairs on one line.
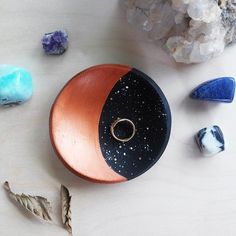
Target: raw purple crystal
[[55, 43]]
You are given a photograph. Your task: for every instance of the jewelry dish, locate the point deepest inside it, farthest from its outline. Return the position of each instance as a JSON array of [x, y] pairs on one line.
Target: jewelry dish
[[110, 123]]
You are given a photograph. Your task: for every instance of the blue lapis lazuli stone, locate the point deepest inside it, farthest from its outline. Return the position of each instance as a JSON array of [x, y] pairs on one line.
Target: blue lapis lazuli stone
[[15, 85], [217, 90]]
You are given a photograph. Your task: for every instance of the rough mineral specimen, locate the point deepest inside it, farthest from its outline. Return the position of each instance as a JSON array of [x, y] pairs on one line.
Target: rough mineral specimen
[[55, 43], [15, 85], [210, 140], [217, 90], [193, 31]]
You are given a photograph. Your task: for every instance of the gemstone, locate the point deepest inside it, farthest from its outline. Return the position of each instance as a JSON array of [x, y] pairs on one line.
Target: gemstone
[[193, 31], [55, 43], [210, 140], [217, 90], [15, 85]]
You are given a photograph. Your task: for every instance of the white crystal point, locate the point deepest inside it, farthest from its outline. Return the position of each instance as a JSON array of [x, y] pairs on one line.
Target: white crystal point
[[202, 42], [204, 10], [158, 15], [194, 30]]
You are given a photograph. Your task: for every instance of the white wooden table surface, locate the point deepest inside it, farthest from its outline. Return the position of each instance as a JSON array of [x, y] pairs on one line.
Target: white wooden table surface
[[184, 194]]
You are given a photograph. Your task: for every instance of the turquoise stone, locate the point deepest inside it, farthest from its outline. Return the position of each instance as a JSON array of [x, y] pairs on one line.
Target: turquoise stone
[[15, 85]]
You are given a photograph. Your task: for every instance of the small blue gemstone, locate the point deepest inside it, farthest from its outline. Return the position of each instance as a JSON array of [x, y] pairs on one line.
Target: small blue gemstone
[[210, 140], [55, 43], [15, 85], [217, 90]]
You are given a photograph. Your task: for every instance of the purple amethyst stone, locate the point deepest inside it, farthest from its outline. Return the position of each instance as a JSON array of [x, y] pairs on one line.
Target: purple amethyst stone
[[55, 43]]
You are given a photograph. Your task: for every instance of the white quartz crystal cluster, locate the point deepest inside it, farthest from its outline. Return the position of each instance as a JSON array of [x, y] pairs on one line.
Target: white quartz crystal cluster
[[193, 31]]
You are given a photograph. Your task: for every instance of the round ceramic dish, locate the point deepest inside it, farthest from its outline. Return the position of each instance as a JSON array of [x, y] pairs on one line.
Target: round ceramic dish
[[110, 123]]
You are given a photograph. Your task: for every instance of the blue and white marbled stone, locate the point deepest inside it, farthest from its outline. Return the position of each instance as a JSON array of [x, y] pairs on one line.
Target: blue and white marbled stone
[[217, 90], [15, 85], [210, 140]]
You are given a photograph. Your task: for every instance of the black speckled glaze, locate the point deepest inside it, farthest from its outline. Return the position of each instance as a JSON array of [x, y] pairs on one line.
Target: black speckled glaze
[[136, 97]]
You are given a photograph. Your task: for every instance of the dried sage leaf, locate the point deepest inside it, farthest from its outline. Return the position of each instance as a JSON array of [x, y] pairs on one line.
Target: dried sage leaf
[[66, 208], [37, 205]]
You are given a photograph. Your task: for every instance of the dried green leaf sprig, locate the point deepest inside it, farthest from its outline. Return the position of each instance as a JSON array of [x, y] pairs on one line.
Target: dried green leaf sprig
[[36, 205], [66, 208]]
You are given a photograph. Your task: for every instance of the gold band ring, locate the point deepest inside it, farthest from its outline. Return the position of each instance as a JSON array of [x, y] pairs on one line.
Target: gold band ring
[[122, 120]]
